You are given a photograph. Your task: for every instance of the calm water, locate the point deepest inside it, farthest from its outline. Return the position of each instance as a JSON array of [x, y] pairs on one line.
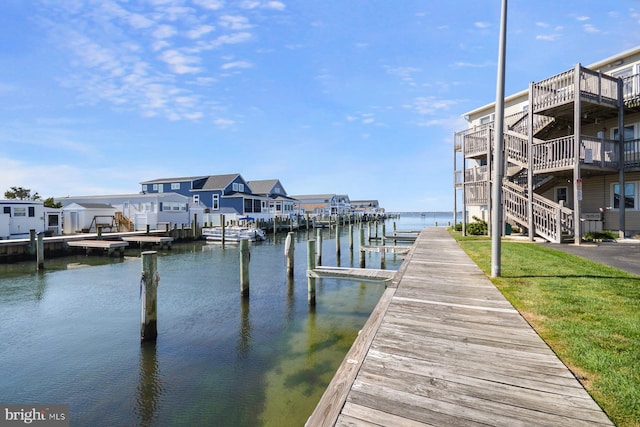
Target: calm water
[[71, 335]]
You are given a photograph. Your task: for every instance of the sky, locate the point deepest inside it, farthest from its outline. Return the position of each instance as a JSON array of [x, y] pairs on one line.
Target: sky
[[356, 97]]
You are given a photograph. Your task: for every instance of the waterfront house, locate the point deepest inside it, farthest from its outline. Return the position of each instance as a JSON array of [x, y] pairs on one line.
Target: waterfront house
[[571, 153], [280, 204], [18, 217], [323, 204], [134, 212], [87, 217], [368, 207], [218, 194]]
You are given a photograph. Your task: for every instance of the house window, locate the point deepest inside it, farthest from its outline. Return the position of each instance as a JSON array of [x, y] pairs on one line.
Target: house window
[[160, 188], [175, 185], [7, 210], [32, 211], [144, 187], [234, 186], [196, 199], [19, 212], [241, 188], [173, 207], [562, 194], [257, 205], [629, 195], [155, 187], [248, 205], [215, 202]]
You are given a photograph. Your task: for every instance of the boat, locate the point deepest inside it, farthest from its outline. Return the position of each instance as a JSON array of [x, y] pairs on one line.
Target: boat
[[233, 233]]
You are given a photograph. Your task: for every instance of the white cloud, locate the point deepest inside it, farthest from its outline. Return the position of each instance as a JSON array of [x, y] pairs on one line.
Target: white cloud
[[276, 5], [223, 123], [210, 4], [462, 64], [196, 33], [583, 18], [180, 63], [481, 24], [542, 24], [235, 22], [548, 37], [589, 28], [164, 31], [430, 105], [236, 64]]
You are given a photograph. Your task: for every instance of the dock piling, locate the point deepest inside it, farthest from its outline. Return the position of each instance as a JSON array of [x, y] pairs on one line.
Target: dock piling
[[311, 281], [245, 255], [288, 252], [338, 243], [361, 239], [318, 246], [148, 296], [40, 252]]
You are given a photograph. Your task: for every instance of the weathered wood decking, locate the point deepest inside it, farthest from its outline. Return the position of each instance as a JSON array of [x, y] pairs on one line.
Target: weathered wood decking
[[444, 347]]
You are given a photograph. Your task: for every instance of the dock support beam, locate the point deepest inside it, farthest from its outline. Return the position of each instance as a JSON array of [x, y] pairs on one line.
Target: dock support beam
[[311, 281], [289, 247], [244, 268], [319, 246], [361, 238], [149, 297], [40, 252]]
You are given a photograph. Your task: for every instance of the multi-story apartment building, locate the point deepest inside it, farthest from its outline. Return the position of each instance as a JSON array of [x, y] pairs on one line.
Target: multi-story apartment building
[[568, 168]]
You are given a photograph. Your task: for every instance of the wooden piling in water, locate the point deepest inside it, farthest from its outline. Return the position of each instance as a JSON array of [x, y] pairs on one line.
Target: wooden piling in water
[[244, 268], [311, 281], [32, 242], [338, 242], [40, 251], [350, 237], [148, 296], [288, 252], [319, 246], [362, 262], [384, 232]]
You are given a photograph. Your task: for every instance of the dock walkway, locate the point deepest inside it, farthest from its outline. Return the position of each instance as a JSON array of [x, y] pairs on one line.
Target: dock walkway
[[444, 347]]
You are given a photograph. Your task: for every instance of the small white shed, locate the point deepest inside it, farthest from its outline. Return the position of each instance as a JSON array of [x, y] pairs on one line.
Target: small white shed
[[85, 217]]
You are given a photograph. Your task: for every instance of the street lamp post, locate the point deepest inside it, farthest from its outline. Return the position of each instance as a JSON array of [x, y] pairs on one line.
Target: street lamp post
[[498, 162]]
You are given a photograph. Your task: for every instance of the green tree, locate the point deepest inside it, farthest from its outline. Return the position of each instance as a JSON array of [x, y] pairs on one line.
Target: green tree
[[21, 193], [50, 203]]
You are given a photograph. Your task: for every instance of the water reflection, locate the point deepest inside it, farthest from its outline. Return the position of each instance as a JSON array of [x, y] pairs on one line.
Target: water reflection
[[150, 387], [244, 338]]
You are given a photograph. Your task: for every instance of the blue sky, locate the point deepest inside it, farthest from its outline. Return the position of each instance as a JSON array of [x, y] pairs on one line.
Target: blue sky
[[357, 97]]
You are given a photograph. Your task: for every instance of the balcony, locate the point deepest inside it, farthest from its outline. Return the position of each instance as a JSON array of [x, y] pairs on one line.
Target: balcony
[[559, 154], [555, 96]]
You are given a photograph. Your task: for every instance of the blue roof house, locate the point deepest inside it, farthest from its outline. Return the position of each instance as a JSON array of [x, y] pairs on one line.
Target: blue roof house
[[228, 194]]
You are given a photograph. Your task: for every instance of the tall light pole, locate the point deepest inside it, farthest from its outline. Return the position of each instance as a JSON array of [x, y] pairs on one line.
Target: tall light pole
[[498, 162]]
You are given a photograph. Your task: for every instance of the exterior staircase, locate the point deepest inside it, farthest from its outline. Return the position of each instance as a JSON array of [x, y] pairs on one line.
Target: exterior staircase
[[123, 223]]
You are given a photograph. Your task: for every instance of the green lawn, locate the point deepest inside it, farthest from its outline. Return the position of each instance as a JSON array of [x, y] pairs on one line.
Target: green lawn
[[588, 313]]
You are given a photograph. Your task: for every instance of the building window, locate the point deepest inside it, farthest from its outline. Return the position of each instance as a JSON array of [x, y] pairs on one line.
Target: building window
[[241, 188], [629, 195], [562, 194], [144, 187], [257, 205], [174, 207], [7, 210], [234, 186], [155, 187], [32, 211], [175, 185], [248, 205], [215, 202], [19, 212], [196, 199]]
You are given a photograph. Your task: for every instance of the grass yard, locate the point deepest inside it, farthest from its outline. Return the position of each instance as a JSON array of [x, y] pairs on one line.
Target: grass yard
[[588, 313]]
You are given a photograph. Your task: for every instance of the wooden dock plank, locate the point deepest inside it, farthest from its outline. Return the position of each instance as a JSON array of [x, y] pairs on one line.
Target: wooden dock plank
[[448, 349], [98, 244]]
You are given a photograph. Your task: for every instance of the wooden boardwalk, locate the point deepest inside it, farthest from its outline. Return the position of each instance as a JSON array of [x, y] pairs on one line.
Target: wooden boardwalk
[[444, 347]]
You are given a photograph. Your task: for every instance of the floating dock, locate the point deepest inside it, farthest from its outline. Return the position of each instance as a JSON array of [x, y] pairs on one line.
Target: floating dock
[[111, 247], [444, 347], [163, 242], [352, 273]]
